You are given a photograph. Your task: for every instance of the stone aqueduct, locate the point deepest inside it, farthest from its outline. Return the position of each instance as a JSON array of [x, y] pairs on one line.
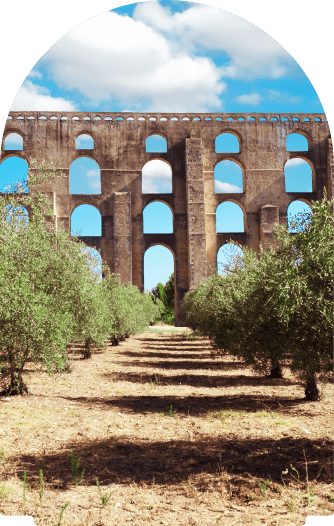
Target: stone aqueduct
[[119, 150]]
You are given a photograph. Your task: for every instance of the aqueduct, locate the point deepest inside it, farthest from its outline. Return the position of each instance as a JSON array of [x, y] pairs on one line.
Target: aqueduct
[[119, 150]]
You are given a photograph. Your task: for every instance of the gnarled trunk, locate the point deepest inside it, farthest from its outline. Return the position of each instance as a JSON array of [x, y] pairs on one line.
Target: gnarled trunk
[[312, 393], [276, 371], [17, 385], [88, 351]]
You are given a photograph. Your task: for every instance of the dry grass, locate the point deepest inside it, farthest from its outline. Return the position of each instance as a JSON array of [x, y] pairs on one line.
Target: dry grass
[[229, 430]]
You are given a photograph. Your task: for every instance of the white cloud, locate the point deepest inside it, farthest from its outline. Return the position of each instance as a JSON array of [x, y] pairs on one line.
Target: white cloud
[[99, 60], [32, 97], [252, 99], [13, 139], [280, 96], [35, 74], [157, 177], [225, 188], [297, 161], [93, 173], [252, 51]]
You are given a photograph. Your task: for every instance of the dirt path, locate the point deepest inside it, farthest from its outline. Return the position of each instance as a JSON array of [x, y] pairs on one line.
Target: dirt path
[[177, 435]]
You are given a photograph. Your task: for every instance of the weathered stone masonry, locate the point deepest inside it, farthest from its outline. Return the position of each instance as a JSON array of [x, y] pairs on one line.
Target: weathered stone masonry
[[119, 149]]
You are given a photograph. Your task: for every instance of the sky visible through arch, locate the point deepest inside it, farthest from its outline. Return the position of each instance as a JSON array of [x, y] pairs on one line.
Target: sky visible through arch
[[181, 57]]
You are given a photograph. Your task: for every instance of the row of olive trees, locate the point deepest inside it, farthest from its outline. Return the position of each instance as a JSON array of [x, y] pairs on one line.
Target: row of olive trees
[[276, 307], [50, 294]]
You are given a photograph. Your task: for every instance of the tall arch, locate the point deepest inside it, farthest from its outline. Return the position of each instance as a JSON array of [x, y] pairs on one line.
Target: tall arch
[[13, 170], [228, 257], [299, 215], [85, 176], [159, 262], [228, 176], [298, 174]]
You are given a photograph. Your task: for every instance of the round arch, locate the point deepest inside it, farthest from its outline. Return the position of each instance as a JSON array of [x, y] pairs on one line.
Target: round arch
[[228, 257], [87, 220], [13, 168], [233, 217], [228, 177], [296, 207], [221, 148], [13, 143], [157, 177], [156, 142], [85, 176], [158, 264], [83, 135], [297, 175], [290, 139], [158, 218]]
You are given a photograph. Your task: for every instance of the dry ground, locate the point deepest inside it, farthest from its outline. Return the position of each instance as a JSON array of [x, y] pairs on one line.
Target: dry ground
[[175, 434]]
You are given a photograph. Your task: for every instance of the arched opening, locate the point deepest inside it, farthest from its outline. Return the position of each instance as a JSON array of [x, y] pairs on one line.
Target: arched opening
[[86, 221], [298, 175], [156, 177], [13, 141], [13, 174], [94, 261], [228, 177], [227, 143], [157, 218], [296, 142], [156, 144], [229, 256], [17, 216], [299, 216], [84, 142], [229, 218], [158, 269], [85, 176]]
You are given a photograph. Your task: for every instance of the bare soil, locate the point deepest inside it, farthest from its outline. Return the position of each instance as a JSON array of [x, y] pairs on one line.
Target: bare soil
[[176, 434]]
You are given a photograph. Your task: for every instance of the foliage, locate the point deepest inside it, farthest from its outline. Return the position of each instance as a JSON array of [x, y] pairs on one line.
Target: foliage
[[50, 294], [163, 296], [278, 304]]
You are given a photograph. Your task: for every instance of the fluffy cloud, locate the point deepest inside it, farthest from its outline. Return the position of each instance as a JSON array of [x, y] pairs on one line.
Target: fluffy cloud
[[251, 51], [252, 99], [281, 97], [116, 58], [225, 188], [157, 177], [297, 161], [32, 97]]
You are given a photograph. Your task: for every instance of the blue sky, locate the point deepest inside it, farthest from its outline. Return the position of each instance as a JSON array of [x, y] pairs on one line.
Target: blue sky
[[181, 57]]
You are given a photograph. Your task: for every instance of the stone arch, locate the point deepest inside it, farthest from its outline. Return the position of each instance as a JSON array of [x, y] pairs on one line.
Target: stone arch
[[96, 264], [157, 177], [87, 217], [85, 176], [84, 141], [13, 168], [229, 176], [227, 142], [297, 206], [230, 217], [299, 175], [297, 141], [151, 272], [228, 256], [17, 215], [158, 218], [156, 143], [13, 141]]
